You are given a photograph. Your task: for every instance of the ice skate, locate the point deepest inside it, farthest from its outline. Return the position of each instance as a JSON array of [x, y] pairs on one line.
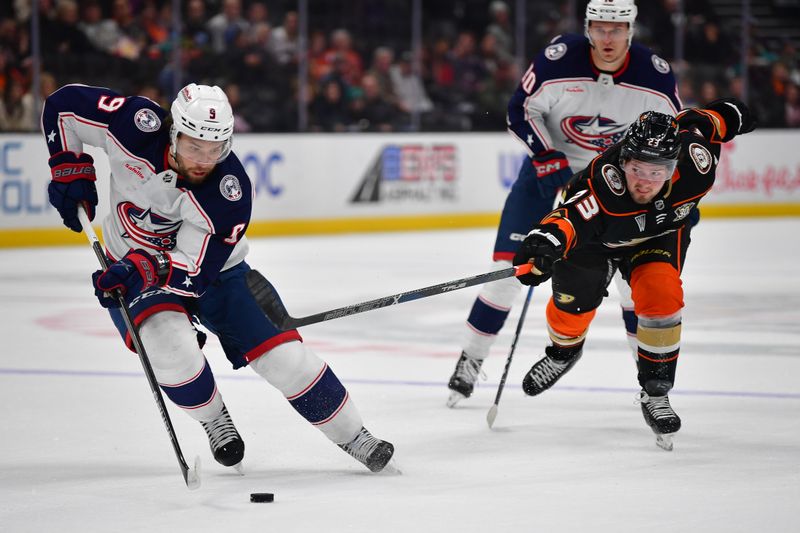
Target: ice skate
[[462, 382], [226, 443], [369, 451], [549, 369], [661, 418]]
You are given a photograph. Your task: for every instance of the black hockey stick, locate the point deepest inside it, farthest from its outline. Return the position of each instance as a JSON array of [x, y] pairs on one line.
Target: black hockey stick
[[191, 477], [492, 414], [269, 301]]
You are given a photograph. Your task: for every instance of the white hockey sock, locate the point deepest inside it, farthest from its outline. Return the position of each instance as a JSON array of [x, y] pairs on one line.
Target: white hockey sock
[[179, 365], [310, 386]]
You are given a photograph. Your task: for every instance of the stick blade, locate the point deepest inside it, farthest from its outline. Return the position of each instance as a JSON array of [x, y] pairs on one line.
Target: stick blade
[[491, 415], [193, 475]]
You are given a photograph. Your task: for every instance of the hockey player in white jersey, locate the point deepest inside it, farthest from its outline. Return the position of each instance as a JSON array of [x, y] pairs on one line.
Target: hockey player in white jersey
[[180, 207], [575, 100]]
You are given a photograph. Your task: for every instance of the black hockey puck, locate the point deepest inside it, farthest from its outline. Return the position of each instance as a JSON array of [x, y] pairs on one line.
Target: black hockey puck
[[261, 497]]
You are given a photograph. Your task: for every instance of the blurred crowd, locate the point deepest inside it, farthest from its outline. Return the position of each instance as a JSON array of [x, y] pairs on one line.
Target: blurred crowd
[[361, 74]]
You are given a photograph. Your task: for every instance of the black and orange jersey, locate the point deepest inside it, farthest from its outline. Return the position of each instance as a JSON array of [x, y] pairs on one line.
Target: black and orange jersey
[[598, 211]]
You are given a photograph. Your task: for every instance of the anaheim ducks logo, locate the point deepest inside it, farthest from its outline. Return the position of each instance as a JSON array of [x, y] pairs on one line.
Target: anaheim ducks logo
[[147, 228], [613, 179], [592, 133], [563, 298], [701, 157]]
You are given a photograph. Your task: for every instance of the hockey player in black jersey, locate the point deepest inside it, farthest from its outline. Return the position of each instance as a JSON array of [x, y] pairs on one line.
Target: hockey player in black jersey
[[628, 210]]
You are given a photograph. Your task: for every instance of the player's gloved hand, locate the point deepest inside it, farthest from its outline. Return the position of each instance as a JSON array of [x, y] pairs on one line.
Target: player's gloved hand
[[736, 114], [552, 168], [72, 184], [133, 274], [543, 246]]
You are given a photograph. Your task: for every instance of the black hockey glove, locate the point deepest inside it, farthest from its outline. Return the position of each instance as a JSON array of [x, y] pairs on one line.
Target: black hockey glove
[[543, 246], [736, 114], [73, 183]]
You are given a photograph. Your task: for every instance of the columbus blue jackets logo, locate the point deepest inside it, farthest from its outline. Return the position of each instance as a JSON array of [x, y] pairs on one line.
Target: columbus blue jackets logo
[[660, 64], [230, 188], [592, 133], [146, 228], [146, 120], [555, 51]]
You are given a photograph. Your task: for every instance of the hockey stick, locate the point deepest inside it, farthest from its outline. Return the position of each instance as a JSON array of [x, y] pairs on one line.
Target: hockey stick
[[492, 414], [271, 304], [191, 477]]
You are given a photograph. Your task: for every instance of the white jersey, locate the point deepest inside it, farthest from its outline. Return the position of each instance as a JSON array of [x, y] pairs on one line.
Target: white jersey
[[565, 103], [201, 227]]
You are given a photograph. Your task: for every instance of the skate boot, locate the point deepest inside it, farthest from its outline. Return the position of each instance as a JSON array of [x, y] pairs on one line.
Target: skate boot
[[556, 362], [226, 444], [462, 382], [369, 451], [661, 418]]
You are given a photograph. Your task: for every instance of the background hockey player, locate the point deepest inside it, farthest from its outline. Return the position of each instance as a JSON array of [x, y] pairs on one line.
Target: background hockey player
[[575, 100], [180, 207], [630, 210]]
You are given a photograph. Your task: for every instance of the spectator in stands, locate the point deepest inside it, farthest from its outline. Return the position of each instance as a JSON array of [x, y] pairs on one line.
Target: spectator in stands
[[468, 73], [371, 110], [408, 87], [500, 30], [285, 40], [132, 39], [792, 106], [257, 13], [102, 33], [226, 25], [195, 29], [62, 35], [341, 49], [240, 123], [382, 60], [329, 111], [155, 22], [318, 67], [16, 108]]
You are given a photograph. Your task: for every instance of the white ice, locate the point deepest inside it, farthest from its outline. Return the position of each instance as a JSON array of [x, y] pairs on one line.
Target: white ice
[[82, 448]]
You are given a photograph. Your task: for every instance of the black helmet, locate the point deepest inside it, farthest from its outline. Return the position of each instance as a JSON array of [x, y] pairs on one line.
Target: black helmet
[[653, 138]]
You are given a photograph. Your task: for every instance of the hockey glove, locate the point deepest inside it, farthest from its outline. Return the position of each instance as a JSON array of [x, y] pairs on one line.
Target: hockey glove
[[72, 184], [552, 169], [543, 246], [736, 114], [133, 274]]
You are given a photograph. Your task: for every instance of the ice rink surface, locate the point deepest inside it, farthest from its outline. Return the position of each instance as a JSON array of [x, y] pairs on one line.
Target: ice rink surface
[[83, 448]]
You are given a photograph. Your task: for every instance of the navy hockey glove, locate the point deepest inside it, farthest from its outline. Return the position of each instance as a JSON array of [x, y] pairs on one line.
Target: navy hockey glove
[[543, 246], [552, 169], [133, 274], [72, 184]]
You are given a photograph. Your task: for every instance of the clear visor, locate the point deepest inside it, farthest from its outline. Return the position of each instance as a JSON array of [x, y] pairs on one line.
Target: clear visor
[[202, 152], [657, 170]]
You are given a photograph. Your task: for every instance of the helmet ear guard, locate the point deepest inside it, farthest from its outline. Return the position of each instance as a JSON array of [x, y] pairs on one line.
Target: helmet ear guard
[[204, 113]]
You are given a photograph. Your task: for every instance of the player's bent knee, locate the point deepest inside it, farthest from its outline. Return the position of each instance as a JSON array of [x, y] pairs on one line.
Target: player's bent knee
[[171, 343], [565, 327], [289, 367], [501, 293], [657, 290]]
